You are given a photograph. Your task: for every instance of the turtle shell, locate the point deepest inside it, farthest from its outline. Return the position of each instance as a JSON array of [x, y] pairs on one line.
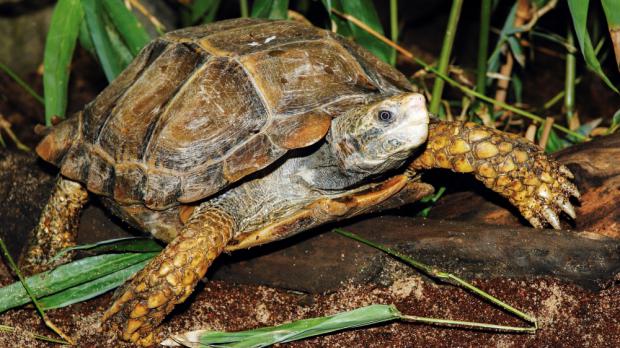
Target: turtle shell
[[202, 107]]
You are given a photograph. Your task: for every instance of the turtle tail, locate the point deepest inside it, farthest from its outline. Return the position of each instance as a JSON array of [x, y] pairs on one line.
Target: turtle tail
[[57, 142]]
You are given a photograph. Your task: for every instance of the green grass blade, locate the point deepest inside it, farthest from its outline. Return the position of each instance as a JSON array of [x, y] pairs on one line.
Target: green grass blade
[[443, 276], [127, 244], [365, 11], [112, 59], [342, 26], [273, 9], [202, 11], [393, 29], [508, 27], [59, 47], [579, 13], [85, 39], [21, 83], [444, 57], [612, 13], [133, 33], [243, 4], [92, 288], [296, 330], [67, 276], [483, 46]]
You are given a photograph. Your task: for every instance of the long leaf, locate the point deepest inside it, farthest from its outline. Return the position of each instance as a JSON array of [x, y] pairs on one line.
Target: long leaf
[[273, 9], [579, 13], [365, 11], [126, 244], [612, 13], [67, 276], [340, 25], [133, 33], [92, 288], [110, 56], [296, 330], [59, 47]]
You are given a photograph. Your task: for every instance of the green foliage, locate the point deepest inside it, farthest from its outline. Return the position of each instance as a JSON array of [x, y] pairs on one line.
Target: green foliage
[[612, 12], [113, 55], [273, 9], [59, 46], [131, 30], [579, 13], [200, 11], [300, 329], [75, 281], [365, 11], [615, 122]]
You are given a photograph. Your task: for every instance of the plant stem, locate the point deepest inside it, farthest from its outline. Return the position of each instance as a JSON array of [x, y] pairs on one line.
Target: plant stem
[[46, 320], [4, 124], [394, 26], [6, 328], [452, 82], [483, 46], [444, 57], [569, 81], [244, 8], [22, 83], [443, 276], [556, 98], [466, 324]]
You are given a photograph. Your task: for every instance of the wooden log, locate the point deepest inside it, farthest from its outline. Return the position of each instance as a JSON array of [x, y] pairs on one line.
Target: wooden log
[[319, 262]]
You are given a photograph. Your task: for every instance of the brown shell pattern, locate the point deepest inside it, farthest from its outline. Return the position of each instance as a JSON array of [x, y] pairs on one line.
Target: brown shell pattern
[[203, 107]]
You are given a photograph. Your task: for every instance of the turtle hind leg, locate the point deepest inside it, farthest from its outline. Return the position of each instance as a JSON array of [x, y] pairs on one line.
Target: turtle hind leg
[[143, 302], [57, 227], [508, 164]]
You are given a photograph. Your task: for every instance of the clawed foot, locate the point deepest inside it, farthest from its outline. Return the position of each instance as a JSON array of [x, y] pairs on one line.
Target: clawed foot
[[541, 188], [510, 165]]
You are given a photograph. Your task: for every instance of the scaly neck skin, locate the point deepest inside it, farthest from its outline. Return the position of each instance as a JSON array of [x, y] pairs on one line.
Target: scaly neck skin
[[297, 182]]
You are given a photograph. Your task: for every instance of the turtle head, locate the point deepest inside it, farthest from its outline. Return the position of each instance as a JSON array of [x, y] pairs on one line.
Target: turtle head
[[373, 138]]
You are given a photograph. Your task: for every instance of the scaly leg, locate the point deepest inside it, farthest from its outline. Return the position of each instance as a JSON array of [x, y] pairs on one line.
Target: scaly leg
[[143, 302], [508, 164], [57, 228]]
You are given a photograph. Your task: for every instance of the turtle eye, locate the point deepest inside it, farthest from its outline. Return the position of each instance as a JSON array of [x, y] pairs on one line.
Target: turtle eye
[[385, 116]]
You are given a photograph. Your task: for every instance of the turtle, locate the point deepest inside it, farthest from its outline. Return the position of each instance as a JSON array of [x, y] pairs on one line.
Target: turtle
[[237, 133]]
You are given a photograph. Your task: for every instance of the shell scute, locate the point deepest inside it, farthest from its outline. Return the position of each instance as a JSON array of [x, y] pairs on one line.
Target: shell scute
[[199, 184], [215, 111], [259, 37], [306, 75], [162, 188], [299, 130], [126, 131], [246, 160], [129, 183], [97, 112], [198, 32], [100, 175]]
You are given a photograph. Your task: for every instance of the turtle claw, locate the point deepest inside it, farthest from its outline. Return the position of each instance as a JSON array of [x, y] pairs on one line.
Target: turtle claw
[[535, 222], [572, 189], [566, 172], [567, 208], [551, 217]]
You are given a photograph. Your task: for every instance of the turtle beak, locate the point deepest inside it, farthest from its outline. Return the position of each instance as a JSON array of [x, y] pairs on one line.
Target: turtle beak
[[415, 123]]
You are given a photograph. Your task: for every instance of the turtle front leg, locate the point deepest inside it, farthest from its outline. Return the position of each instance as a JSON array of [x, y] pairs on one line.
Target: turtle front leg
[[142, 303], [57, 227], [508, 164]]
